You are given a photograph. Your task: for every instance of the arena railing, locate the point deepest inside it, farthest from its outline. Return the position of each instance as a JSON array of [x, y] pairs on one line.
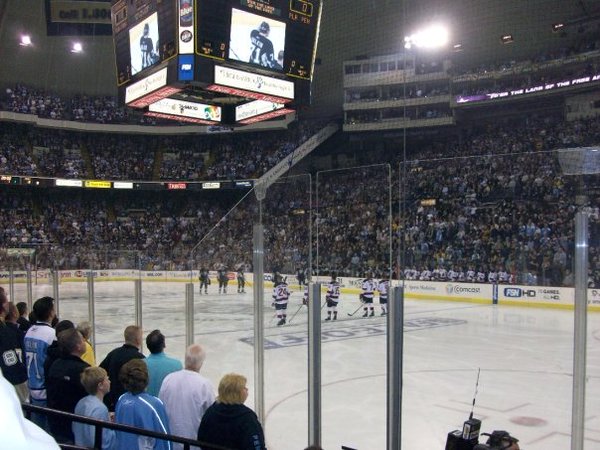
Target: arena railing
[[99, 425]]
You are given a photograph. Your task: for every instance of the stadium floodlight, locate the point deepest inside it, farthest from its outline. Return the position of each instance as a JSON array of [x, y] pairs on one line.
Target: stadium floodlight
[[434, 36], [77, 47], [25, 40]]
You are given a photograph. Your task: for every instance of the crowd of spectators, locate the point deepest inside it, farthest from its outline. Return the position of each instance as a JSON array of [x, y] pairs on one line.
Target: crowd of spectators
[[28, 100], [27, 150], [156, 393], [103, 109], [498, 203], [589, 42]]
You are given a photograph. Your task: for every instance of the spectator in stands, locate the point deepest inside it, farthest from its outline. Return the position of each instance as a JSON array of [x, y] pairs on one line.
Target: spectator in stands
[[64, 383], [139, 409], [54, 350], [228, 422], [113, 362], [187, 395], [11, 318], [24, 324], [159, 364], [18, 433], [12, 364], [85, 328], [36, 342], [97, 384]]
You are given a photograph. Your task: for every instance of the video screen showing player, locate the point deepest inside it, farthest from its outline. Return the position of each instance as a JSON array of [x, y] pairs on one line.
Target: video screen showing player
[[257, 40], [143, 44]]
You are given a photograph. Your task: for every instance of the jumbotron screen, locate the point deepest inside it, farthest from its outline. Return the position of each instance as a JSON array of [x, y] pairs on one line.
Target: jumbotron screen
[[271, 35], [144, 35]]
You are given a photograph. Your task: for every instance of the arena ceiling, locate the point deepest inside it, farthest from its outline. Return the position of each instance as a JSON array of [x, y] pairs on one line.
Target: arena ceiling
[[349, 28]]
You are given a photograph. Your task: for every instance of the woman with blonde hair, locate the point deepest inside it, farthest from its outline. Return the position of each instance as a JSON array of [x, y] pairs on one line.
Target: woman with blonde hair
[[228, 422]]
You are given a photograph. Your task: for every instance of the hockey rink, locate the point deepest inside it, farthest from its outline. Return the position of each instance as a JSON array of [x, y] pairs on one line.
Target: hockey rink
[[525, 356]]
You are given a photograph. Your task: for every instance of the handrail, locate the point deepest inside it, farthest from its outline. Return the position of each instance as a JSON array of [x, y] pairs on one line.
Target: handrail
[[100, 424]]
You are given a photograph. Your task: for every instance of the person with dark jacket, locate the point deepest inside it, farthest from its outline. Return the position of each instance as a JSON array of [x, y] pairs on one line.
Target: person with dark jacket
[[117, 358], [64, 383], [12, 364], [24, 324], [54, 351], [228, 422]]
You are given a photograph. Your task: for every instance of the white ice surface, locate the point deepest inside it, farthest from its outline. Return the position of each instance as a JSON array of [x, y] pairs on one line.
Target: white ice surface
[[525, 356]]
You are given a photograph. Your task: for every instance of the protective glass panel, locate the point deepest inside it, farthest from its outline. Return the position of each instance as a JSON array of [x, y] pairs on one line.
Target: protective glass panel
[[71, 266], [115, 274], [353, 225], [223, 317], [487, 256], [287, 222]]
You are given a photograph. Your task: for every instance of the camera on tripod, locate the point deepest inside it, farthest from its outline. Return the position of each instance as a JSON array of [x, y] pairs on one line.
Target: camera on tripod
[[468, 438]]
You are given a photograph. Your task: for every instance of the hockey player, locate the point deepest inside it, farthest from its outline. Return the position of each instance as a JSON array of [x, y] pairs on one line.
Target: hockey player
[[146, 47], [503, 275], [204, 280], [281, 295], [383, 287], [223, 280], [332, 297], [366, 297], [262, 52], [480, 277], [301, 276], [241, 281], [471, 275]]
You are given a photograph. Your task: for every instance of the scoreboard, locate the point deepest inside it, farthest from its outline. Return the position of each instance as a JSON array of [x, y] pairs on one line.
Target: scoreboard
[[215, 61]]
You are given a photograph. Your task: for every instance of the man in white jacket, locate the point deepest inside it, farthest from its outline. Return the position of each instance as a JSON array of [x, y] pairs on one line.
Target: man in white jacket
[[187, 395]]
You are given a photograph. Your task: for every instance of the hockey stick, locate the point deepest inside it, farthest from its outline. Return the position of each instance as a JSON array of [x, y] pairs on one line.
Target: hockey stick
[[356, 310], [299, 308]]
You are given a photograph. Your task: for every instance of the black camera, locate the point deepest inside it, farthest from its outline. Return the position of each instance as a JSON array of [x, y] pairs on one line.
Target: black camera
[[466, 439], [498, 440]]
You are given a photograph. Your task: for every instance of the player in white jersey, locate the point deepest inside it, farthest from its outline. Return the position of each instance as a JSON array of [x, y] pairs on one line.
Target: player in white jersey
[[281, 295], [384, 288], [413, 274], [442, 274], [332, 297], [492, 276], [480, 277], [452, 275], [366, 297], [425, 274], [471, 275], [503, 276]]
